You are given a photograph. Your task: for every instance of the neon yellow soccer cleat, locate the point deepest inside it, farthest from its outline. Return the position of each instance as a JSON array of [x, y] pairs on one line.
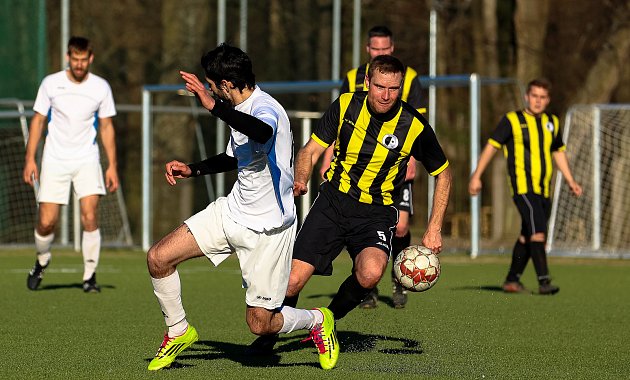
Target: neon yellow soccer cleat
[[171, 347], [325, 338]]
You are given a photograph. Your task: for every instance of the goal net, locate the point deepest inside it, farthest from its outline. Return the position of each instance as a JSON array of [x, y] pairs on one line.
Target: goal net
[[598, 149], [18, 208]]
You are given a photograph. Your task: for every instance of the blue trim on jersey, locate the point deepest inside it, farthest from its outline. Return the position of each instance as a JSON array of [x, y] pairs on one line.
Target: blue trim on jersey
[[48, 119], [95, 125], [275, 172]]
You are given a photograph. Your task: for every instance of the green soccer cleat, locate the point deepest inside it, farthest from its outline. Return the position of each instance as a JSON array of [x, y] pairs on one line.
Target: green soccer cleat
[[324, 336], [171, 347]]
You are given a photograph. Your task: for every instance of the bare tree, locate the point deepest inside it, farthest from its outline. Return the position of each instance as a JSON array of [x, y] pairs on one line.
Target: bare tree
[[184, 38], [530, 21]]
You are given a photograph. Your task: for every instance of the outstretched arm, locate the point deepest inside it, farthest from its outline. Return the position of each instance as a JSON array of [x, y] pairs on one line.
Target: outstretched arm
[[474, 186], [248, 125], [432, 238], [563, 165], [216, 164], [306, 159]]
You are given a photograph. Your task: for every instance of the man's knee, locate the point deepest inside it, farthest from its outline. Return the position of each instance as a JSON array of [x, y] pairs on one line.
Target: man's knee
[[156, 262], [295, 286], [89, 220], [301, 272], [45, 227], [369, 277]]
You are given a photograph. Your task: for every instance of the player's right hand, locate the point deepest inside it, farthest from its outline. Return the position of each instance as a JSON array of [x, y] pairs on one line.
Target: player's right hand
[[30, 173], [176, 169]]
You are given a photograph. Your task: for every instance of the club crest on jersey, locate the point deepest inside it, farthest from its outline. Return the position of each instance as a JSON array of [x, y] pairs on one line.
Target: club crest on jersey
[[390, 141], [550, 126]]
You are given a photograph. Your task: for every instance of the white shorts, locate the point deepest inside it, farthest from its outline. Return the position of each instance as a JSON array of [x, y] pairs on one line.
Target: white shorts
[[55, 178], [264, 257]]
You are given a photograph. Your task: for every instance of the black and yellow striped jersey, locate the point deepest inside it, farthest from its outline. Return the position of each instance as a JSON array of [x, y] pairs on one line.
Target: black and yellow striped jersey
[[528, 143], [372, 150], [411, 93]]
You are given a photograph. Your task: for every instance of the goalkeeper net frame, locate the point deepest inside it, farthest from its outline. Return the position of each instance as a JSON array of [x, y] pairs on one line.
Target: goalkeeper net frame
[[598, 148]]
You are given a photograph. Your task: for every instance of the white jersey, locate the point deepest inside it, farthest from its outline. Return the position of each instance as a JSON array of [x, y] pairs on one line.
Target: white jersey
[[73, 110], [262, 197]]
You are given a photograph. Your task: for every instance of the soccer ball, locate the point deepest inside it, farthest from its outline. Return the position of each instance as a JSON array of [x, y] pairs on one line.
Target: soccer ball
[[417, 268]]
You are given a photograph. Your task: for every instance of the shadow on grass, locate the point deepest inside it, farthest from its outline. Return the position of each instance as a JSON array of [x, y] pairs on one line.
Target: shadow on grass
[[383, 299], [487, 288], [350, 342], [213, 350], [76, 285]]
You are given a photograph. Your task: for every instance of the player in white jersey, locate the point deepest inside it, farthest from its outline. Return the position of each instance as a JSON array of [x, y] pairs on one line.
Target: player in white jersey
[[257, 219], [77, 104]]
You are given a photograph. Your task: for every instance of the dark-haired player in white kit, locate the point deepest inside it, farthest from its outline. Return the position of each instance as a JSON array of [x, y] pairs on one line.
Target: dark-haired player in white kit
[[76, 104], [256, 220]]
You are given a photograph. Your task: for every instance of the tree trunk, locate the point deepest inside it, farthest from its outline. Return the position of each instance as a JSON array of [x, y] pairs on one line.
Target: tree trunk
[[604, 76], [530, 21], [184, 37]]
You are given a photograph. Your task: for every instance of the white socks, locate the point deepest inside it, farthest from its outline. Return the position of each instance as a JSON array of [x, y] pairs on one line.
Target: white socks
[[42, 245], [168, 291], [91, 247], [299, 319]]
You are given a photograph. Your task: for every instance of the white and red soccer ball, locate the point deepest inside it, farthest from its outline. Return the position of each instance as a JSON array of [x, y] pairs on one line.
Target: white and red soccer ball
[[417, 268]]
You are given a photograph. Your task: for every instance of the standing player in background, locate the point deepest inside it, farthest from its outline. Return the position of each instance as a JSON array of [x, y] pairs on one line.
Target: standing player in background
[[256, 220], [381, 42], [76, 104], [375, 134], [529, 138]]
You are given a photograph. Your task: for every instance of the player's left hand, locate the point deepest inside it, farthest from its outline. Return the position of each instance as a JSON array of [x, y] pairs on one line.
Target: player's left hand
[[194, 85], [432, 239], [576, 189], [299, 188], [111, 179]]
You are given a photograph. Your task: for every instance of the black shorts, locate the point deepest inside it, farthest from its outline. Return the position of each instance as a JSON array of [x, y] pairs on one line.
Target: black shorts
[[337, 220], [535, 210], [404, 202]]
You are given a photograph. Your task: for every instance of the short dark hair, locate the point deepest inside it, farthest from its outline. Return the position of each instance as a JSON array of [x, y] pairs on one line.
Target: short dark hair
[[386, 64], [380, 31], [540, 82], [229, 63], [79, 44]]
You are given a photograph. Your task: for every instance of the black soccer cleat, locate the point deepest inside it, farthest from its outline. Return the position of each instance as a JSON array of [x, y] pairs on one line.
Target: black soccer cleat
[[35, 275], [90, 286], [371, 300], [263, 345], [399, 295], [548, 289]]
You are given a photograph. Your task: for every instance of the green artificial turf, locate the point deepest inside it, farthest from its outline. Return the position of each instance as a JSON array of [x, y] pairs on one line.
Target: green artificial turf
[[463, 328]]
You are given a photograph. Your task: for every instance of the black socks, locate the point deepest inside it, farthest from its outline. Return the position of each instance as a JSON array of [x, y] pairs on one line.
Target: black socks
[[349, 296], [539, 258], [520, 257]]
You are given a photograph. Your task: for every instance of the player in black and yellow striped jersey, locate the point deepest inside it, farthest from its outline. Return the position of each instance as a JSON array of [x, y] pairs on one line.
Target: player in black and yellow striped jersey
[[530, 139], [374, 135], [380, 41]]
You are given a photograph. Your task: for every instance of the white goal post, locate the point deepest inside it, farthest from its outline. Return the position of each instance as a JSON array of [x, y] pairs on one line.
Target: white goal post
[[598, 147]]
